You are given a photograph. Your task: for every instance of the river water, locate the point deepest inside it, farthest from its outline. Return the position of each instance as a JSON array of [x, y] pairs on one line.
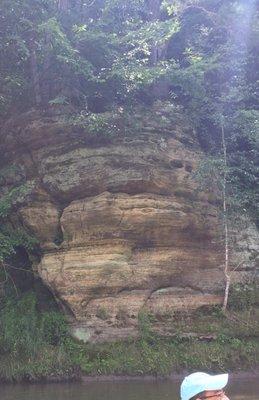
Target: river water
[[241, 389]]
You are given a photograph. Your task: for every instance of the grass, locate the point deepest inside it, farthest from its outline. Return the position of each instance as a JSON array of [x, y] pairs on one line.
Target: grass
[[219, 343], [48, 364], [241, 324], [36, 346], [164, 356], [134, 357]]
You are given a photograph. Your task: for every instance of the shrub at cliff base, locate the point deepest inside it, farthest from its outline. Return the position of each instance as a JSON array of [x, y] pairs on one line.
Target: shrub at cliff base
[[36, 346], [31, 342]]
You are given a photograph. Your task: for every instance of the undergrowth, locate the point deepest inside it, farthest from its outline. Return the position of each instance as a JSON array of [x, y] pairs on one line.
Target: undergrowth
[[37, 346], [31, 342]]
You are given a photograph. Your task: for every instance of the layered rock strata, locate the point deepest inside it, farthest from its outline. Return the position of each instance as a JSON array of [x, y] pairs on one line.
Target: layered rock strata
[[121, 225]]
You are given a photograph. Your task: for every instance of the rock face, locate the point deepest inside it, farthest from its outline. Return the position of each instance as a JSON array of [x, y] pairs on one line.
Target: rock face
[[121, 226]]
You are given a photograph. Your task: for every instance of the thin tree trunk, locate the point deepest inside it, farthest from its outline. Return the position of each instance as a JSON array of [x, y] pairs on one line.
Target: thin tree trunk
[[159, 89], [225, 219], [35, 74], [63, 5], [153, 8], [47, 87]]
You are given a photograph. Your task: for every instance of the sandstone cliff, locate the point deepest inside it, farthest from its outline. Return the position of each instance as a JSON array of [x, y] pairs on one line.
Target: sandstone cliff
[[121, 225]]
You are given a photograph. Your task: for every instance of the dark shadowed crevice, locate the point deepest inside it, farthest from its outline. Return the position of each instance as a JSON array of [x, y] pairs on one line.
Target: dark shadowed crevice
[[19, 268], [22, 279], [59, 237]]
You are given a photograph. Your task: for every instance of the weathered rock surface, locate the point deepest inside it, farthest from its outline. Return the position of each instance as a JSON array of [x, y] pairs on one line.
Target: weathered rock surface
[[121, 225]]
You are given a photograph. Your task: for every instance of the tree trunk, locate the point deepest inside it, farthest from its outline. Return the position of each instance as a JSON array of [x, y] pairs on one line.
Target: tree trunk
[[153, 9], [225, 219], [48, 83], [63, 5], [35, 74], [159, 89]]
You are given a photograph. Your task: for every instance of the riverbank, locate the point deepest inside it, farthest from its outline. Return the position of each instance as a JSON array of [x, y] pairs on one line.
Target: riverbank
[[176, 377], [37, 347], [234, 376], [149, 359]]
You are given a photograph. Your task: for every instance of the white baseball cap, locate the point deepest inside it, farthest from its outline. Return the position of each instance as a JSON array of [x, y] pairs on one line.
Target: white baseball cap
[[199, 381]]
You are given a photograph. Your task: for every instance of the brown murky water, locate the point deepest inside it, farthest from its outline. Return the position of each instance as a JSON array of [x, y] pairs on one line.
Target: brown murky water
[[238, 389]]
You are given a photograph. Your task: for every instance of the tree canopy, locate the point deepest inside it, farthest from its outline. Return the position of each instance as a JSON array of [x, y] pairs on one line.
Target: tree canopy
[[101, 54]]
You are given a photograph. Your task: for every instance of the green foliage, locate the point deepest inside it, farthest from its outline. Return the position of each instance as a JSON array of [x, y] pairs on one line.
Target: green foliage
[[88, 53], [13, 197], [32, 343], [24, 331], [163, 356], [96, 124], [19, 326], [62, 49], [12, 237], [36, 345], [222, 343], [118, 53], [54, 327], [145, 320], [120, 122], [209, 174], [243, 296]]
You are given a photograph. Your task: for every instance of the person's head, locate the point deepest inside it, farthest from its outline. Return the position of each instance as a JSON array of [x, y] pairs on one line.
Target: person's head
[[201, 386]]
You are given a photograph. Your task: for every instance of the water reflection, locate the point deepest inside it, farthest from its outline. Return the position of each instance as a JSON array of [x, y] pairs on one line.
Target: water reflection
[[131, 390]]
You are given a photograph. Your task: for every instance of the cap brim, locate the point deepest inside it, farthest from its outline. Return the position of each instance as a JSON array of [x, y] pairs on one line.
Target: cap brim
[[216, 382]]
